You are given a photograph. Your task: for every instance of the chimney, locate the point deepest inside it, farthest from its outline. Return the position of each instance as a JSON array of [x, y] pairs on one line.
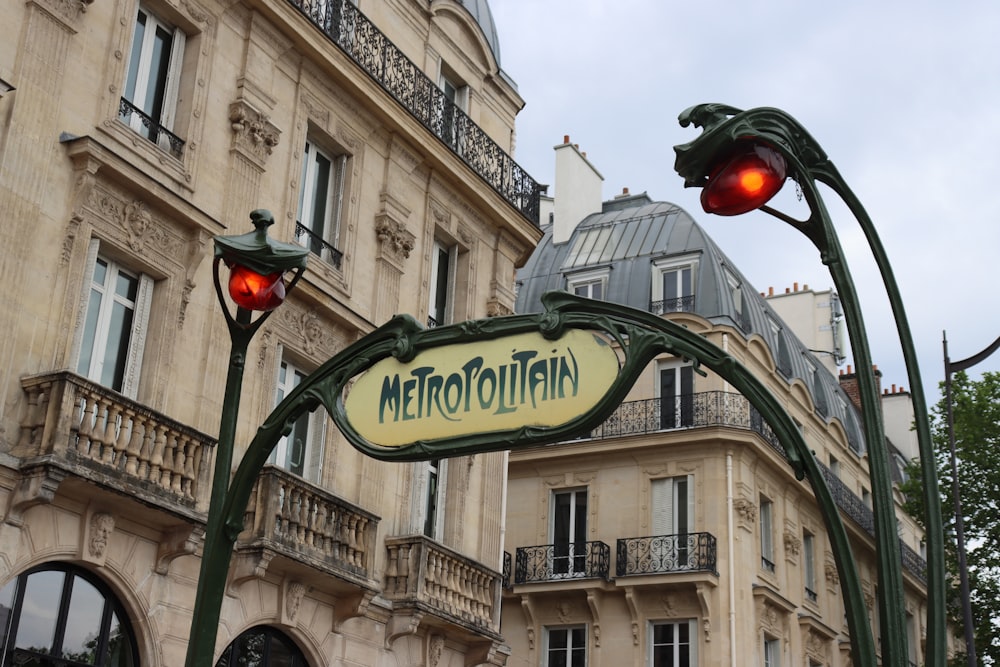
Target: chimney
[[849, 383], [577, 190]]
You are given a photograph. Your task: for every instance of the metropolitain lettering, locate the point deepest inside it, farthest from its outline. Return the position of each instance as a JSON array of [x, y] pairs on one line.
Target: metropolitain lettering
[[527, 380]]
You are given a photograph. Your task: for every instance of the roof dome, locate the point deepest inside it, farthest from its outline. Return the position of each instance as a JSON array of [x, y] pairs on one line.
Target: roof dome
[[480, 10], [628, 238]]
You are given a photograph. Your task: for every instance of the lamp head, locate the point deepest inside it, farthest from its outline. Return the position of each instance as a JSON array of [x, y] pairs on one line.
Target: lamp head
[[257, 264], [744, 179]]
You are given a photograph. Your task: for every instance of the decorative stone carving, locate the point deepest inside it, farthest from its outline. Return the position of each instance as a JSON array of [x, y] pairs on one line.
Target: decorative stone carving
[[793, 544], [102, 525], [832, 576], [67, 11], [253, 133], [746, 510], [294, 593], [394, 238], [435, 649]]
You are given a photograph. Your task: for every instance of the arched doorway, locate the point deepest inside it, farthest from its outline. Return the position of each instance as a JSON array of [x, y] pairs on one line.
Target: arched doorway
[[262, 646], [58, 614]]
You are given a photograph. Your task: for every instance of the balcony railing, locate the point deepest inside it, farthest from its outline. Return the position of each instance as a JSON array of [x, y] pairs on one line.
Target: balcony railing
[[733, 410], [662, 554], [424, 574], [309, 524], [555, 562], [306, 237], [98, 434], [382, 60], [507, 567], [152, 130], [682, 304]]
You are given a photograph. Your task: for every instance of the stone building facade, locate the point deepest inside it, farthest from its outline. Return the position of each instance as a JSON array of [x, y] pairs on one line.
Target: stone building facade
[[676, 534], [380, 134]]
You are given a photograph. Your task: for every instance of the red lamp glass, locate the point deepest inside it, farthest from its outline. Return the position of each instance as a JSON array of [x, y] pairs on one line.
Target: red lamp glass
[[745, 180], [254, 291]]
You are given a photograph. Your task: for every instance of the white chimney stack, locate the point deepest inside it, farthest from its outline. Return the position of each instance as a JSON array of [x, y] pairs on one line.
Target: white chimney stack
[[578, 190]]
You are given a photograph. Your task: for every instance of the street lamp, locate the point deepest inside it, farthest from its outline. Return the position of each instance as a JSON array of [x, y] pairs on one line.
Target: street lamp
[[963, 575], [257, 266], [741, 159]]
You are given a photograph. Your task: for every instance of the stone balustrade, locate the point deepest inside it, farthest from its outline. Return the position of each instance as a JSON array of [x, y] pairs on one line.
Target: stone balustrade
[[97, 433], [423, 573], [308, 523]]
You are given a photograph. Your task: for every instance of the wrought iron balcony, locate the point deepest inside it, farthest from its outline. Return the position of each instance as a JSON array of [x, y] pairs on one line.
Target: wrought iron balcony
[[306, 237], [733, 410], [682, 304], [507, 566], [151, 129], [555, 562], [661, 554], [95, 433], [425, 575], [304, 522], [385, 63]]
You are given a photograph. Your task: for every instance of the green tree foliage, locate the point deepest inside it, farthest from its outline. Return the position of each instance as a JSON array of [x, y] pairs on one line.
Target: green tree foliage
[[976, 409]]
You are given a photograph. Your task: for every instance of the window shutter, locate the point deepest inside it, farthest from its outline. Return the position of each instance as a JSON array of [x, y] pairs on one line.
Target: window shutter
[[339, 175], [662, 497], [81, 313], [173, 79], [279, 350], [315, 447], [137, 340]]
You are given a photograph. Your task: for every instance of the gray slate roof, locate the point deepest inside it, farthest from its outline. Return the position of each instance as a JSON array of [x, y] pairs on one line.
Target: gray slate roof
[[633, 232], [480, 10]]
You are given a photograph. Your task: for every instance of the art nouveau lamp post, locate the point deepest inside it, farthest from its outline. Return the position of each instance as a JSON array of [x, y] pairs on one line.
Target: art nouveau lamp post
[[257, 282], [741, 160]]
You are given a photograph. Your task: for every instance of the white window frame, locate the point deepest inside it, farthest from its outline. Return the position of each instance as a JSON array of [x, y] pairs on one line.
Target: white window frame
[[288, 375], [671, 501], [330, 225], [571, 649], [586, 284], [771, 648], [432, 506], [674, 265], [676, 644], [767, 562], [457, 93], [682, 403], [144, 54], [571, 557], [137, 331], [436, 313], [809, 565]]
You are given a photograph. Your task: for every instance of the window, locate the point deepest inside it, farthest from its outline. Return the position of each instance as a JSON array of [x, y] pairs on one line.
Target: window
[[116, 307], [676, 394], [433, 498], [321, 200], [262, 647], [772, 652], [566, 647], [834, 466], [455, 99], [301, 451], [818, 391], [671, 644], [672, 502], [673, 286], [782, 358], [443, 263], [809, 565], [766, 535], [866, 497], [153, 74], [591, 288], [569, 533], [61, 615]]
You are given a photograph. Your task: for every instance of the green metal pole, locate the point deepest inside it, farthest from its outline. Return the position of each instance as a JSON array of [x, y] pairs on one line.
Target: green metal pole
[[217, 549], [723, 127]]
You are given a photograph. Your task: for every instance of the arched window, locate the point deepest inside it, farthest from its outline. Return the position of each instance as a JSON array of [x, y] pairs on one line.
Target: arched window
[[262, 647], [60, 615]]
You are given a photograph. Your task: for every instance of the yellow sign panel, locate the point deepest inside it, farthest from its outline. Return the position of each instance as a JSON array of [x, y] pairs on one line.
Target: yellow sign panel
[[483, 386]]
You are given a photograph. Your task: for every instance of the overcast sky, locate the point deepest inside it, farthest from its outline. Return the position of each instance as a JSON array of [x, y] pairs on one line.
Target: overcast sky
[[901, 95]]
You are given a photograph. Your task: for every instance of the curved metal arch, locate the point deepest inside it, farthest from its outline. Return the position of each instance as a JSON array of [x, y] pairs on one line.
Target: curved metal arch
[[641, 336]]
